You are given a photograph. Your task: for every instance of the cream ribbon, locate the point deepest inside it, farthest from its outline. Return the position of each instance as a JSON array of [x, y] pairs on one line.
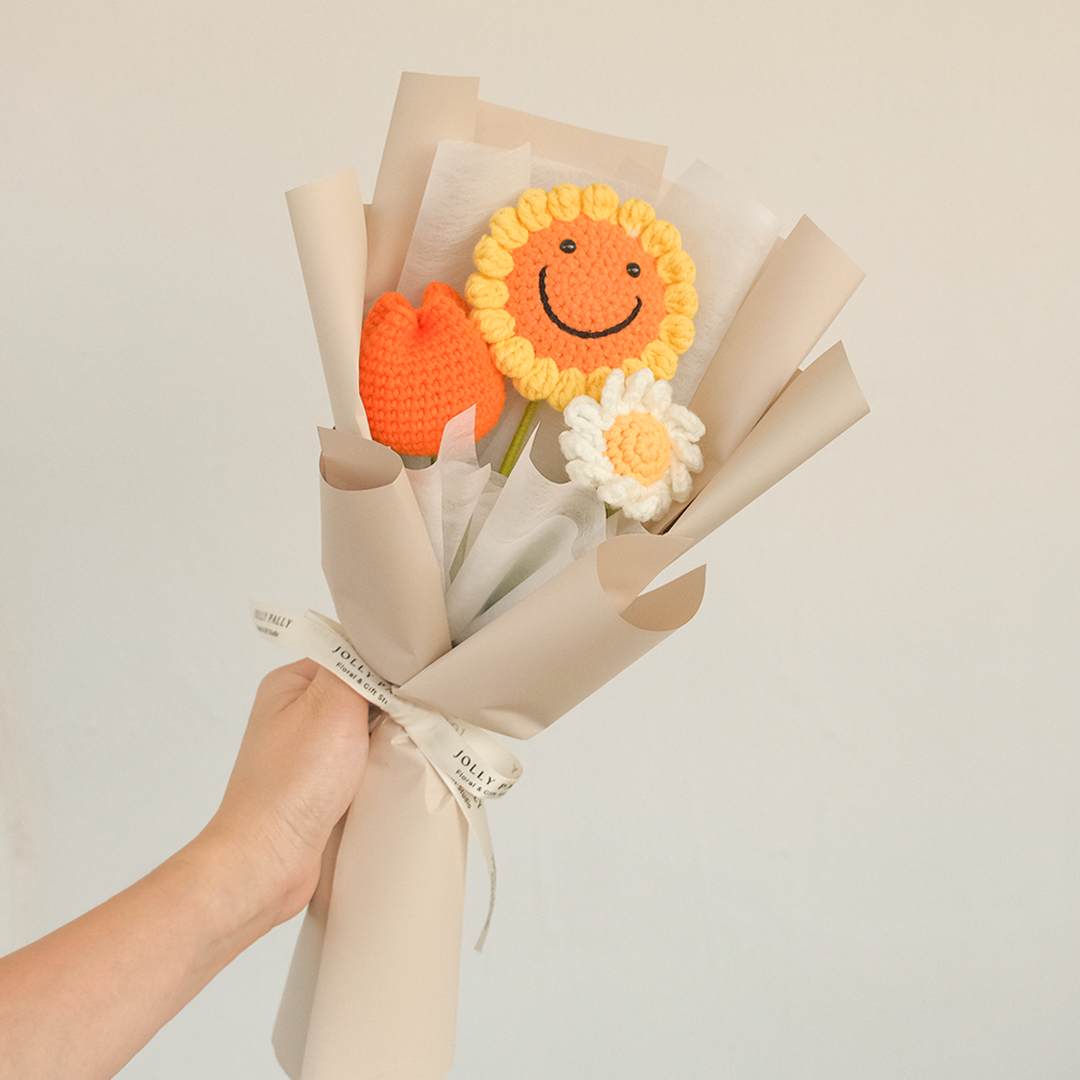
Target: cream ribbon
[[471, 762]]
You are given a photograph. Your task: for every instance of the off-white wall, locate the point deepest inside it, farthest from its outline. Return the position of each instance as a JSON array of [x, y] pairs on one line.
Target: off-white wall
[[863, 861]]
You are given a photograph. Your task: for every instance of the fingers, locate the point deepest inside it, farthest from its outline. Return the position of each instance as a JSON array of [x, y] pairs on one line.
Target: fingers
[[282, 686], [312, 686], [334, 693], [305, 668]]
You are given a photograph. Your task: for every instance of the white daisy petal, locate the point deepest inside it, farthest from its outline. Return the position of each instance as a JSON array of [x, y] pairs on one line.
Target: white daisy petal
[[648, 434], [657, 398], [637, 385], [612, 394]]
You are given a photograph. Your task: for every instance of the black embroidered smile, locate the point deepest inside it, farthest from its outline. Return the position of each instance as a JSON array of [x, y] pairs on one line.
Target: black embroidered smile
[[583, 333]]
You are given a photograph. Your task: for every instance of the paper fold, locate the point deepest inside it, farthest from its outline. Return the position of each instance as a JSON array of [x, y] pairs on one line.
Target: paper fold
[[800, 291], [821, 403], [428, 109], [331, 239], [378, 560], [390, 950], [385, 1004], [798, 294], [561, 643]]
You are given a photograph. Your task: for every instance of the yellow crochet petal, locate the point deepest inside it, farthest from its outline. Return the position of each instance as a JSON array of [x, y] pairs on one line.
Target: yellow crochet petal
[[677, 331], [675, 266], [661, 359], [594, 382], [681, 299], [491, 260], [660, 237], [540, 380], [635, 215], [494, 324], [484, 292], [532, 210], [570, 384], [599, 202], [564, 202], [507, 229], [514, 356]]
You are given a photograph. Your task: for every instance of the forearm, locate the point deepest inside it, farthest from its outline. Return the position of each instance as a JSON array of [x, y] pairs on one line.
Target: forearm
[[77, 1004]]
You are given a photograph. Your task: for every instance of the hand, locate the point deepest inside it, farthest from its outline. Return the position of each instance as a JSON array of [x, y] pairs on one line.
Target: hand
[[80, 1001], [298, 769]]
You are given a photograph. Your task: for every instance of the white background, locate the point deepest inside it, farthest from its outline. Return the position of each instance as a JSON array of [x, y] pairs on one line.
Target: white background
[[833, 830]]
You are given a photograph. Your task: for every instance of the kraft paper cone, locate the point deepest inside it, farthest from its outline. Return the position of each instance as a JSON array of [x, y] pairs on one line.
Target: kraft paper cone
[[821, 403], [372, 993], [428, 109], [378, 559], [386, 1001], [803, 286], [394, 921], [328, 224]]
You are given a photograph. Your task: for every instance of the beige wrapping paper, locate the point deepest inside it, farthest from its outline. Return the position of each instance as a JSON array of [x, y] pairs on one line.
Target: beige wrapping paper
[[384, 1001], [798, 294], [822, 402], [328, 223], [372, 992], [385, 1005], [428, 108], [606, 155], [564, 641], [378, 559]]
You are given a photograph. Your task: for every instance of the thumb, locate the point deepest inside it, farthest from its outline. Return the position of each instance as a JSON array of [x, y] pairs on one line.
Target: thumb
[[331, 694]]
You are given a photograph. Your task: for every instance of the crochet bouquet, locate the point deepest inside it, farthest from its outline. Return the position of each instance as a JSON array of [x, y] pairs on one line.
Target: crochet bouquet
[[571, 369]]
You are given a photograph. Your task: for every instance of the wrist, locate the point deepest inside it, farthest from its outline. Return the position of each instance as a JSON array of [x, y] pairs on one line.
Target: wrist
[[239, 905], [257, 880]]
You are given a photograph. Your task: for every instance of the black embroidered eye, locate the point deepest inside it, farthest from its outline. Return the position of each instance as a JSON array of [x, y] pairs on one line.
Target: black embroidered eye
[[568, 246], [633, 269]]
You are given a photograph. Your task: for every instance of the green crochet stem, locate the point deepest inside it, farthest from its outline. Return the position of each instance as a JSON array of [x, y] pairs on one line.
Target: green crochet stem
[[514, 450]]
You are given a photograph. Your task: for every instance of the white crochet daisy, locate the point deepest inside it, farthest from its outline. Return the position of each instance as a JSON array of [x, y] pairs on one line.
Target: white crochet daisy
[[633, 445]]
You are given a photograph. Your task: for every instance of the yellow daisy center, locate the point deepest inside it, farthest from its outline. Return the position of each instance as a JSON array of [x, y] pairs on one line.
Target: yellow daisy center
[[638, 446]]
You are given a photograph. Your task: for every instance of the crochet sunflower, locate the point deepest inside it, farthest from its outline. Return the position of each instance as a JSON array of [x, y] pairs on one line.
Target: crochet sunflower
[[572, 284]]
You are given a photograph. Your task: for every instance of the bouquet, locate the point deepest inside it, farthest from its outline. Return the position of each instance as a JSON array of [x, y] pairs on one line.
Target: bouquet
[[494, 509]]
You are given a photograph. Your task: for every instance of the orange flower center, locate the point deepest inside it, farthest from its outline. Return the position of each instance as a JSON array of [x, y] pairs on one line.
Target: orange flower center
[[638, 446], [585, 294]]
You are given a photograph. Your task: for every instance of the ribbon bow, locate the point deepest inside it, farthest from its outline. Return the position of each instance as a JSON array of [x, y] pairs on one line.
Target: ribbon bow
[[472, 763]]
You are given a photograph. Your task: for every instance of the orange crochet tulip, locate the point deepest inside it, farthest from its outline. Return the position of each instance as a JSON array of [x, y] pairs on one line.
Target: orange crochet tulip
[[419, 368]]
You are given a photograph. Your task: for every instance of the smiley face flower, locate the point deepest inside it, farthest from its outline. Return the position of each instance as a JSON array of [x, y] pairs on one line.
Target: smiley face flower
[[634, 445], [572, 284]]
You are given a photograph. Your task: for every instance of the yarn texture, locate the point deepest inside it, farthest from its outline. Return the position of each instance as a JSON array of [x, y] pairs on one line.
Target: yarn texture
[[635, 446], [572, 284], [421, 367]]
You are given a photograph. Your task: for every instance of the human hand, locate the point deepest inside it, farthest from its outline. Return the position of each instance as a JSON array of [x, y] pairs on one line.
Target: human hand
[[298, 769], [83, 999]]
